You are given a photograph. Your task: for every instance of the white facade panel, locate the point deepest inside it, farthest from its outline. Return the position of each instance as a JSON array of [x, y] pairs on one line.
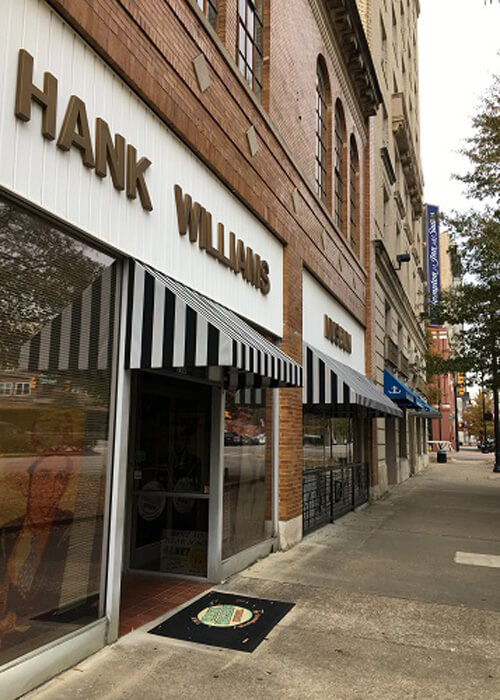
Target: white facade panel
[[38, 170], [315, 304]]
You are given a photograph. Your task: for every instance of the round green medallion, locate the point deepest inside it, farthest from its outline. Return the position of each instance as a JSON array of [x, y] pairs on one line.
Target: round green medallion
[[224, 615]]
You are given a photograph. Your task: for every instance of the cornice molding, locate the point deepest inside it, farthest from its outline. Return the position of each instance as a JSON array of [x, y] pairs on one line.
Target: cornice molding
[[403, 136], [349, 28], [324, 23]]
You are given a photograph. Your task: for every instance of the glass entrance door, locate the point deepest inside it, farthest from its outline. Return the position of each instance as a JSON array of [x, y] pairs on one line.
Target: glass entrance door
[[170, 464]]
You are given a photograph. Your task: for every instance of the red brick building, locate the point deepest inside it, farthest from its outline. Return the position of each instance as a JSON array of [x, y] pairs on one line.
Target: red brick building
[[443, 390], [186, 188]]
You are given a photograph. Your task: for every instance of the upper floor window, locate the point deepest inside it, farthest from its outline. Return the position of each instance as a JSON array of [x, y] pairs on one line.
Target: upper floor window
[[383, 48], [339, 167], [250, 43], [209, 8], [394, 35], [388, 321], [354, 195], [386, 219], [322, 133], [400, 336]]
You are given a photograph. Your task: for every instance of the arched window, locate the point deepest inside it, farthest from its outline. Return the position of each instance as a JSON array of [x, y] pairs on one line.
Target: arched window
[[323, 138], [354, 188], [209, 8], [250, 46], [339, 167]]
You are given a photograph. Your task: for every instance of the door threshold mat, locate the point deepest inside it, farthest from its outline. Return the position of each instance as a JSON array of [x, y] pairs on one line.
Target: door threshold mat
[[225, 620]]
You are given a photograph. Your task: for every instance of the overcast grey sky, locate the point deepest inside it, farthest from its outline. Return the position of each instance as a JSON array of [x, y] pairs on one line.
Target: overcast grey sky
[[459, 44]]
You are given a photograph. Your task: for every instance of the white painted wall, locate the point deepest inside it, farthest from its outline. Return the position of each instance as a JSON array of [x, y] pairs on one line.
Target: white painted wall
[[36, 169], [316, 303]]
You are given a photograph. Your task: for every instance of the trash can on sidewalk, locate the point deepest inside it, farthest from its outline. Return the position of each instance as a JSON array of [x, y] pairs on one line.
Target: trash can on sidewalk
[[442, 456]]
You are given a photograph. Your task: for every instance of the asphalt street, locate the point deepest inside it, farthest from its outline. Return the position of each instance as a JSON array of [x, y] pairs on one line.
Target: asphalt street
[[382, 610]]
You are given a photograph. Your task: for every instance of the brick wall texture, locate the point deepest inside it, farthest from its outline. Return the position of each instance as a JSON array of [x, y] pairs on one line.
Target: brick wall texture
[[151, 45]]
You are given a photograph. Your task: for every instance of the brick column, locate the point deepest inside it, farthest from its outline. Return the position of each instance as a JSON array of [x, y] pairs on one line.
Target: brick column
[[290, 470]]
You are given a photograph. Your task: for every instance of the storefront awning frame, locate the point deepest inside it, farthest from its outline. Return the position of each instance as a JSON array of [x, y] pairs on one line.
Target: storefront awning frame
[[427, 413], [401, 394], [330, 382], [170, 325]]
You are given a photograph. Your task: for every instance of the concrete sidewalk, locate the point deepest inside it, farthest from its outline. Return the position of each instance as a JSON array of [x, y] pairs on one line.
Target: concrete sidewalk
[[382, 610]]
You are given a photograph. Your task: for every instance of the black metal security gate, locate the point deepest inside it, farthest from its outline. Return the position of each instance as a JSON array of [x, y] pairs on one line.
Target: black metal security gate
[[330, 492]]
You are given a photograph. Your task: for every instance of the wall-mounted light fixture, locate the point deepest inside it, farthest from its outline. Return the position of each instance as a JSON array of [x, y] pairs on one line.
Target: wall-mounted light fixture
[[402, 258]]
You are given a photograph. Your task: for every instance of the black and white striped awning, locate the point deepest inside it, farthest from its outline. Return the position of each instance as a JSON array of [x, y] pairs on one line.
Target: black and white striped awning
[[81, 336], [249, 397], [170, 325], [330, 382]]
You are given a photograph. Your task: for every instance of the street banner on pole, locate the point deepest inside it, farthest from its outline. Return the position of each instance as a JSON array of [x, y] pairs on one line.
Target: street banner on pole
[[433, 262]]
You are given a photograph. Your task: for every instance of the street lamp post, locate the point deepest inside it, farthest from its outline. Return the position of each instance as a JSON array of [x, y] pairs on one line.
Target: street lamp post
[[496, 415], [484, 411], [455, 393]]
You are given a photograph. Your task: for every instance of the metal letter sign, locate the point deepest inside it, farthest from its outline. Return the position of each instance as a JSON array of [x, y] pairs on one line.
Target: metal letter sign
[[434, 271]]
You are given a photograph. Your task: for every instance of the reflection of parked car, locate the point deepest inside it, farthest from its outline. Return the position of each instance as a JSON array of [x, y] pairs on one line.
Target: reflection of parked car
[[232, 439], [254, 439], [487, 446], [313, 439]]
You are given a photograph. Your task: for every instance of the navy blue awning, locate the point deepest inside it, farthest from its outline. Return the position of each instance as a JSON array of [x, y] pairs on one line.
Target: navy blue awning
[[399, 392], [402, 394], [406, 398]]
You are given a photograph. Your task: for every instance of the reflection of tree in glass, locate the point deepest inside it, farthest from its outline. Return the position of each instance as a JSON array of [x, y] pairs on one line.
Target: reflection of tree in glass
[[41, 271]]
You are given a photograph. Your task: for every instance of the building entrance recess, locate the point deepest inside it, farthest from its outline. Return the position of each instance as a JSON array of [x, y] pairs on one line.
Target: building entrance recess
[[169, 463]]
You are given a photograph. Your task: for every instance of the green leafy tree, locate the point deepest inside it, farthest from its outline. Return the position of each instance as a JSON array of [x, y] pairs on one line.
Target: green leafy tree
[[474, 421], [475, 303], [483, 148]]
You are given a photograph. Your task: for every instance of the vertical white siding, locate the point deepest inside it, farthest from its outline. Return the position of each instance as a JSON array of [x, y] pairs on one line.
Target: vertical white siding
[[316, 303], [58, 181]]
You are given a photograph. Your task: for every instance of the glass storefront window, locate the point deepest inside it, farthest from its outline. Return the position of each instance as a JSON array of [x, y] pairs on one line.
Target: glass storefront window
[[247, 471], [327, 441], [56, 315]]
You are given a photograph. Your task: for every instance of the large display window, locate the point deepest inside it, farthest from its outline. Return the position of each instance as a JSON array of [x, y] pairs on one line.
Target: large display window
[[247, 471], [327, 441], [57, 299]]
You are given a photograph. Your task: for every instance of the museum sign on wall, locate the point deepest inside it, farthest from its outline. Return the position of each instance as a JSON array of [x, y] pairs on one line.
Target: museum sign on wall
[[329, 327]]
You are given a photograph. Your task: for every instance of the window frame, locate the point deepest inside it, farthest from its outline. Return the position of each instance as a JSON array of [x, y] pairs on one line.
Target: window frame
[[339, 167], [249, 58], [209, 9], [354, 196], [22, 392], [322, 124], [70, 230]]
